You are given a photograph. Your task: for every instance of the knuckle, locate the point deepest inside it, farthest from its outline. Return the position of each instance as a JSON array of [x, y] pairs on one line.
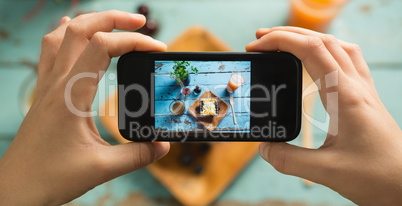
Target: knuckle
[[328, 38], [143, 156], [356, 48], [352, 99], [49, 40], [353, 48], [276, 34], [74, 29], [112, 12], [100, 40], [315, 43]]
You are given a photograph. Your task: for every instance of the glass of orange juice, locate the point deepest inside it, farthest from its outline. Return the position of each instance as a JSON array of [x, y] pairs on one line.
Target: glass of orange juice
[[235, 81], [314, 14]]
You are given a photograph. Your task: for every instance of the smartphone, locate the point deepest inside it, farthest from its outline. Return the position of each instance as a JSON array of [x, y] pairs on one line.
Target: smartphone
[[209, 96]]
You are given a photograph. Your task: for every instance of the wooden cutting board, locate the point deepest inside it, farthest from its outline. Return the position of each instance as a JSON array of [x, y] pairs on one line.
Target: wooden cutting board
[[222, 163], [209, 122]]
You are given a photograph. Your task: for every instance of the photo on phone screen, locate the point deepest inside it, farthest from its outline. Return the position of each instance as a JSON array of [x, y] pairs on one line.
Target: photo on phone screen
[[180, 84], [209, 96]]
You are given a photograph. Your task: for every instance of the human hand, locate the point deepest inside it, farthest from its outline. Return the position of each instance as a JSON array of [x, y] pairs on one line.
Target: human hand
[[361, 157], [56, 155]]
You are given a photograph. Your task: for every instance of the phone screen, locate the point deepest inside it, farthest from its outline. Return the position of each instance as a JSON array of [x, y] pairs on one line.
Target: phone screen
[[193, 96], [209, 96]]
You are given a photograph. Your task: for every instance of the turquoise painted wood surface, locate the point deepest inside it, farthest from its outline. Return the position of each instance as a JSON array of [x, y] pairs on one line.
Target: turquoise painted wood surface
[[376, 25], [213, 76]]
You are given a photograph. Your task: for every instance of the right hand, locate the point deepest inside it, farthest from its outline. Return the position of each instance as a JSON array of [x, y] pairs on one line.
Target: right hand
[[361, 157]]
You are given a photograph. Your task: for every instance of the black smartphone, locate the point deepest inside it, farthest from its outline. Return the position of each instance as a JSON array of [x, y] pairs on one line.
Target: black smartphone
[[209, 96]]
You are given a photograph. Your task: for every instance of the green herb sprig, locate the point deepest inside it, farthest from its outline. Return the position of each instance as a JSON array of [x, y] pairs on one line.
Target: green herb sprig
[[180, 71]]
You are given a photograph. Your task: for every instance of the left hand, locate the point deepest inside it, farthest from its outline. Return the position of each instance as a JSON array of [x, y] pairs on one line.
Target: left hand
[[56, 155]]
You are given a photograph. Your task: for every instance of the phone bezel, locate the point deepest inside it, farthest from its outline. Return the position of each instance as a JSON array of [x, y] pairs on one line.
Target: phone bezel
[[145, 61]]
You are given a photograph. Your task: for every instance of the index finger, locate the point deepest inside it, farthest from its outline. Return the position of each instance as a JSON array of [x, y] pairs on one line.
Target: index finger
[[95, 59], [78, 35], [51, 43], [309, 49]]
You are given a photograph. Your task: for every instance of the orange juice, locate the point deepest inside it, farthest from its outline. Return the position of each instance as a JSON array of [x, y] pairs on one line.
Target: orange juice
[[314, 14], [235, 81]]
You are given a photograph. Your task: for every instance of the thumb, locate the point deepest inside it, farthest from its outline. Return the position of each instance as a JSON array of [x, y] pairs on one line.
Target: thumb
[[293, 160], [124, 158]]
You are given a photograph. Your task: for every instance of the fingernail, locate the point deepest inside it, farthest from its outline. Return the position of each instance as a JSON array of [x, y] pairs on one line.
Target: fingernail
[[137, 16], [264, 150]]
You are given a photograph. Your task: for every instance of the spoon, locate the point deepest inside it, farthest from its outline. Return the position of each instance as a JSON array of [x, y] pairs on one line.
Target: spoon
[[231, 101]]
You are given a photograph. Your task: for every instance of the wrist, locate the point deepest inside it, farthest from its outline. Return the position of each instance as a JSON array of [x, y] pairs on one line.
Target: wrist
[[17, 189]]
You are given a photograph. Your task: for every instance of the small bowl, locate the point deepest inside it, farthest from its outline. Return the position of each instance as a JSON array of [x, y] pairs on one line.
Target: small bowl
[[171, 107]]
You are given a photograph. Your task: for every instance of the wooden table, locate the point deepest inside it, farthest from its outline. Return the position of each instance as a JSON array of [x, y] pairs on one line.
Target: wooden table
[[213, 76]]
